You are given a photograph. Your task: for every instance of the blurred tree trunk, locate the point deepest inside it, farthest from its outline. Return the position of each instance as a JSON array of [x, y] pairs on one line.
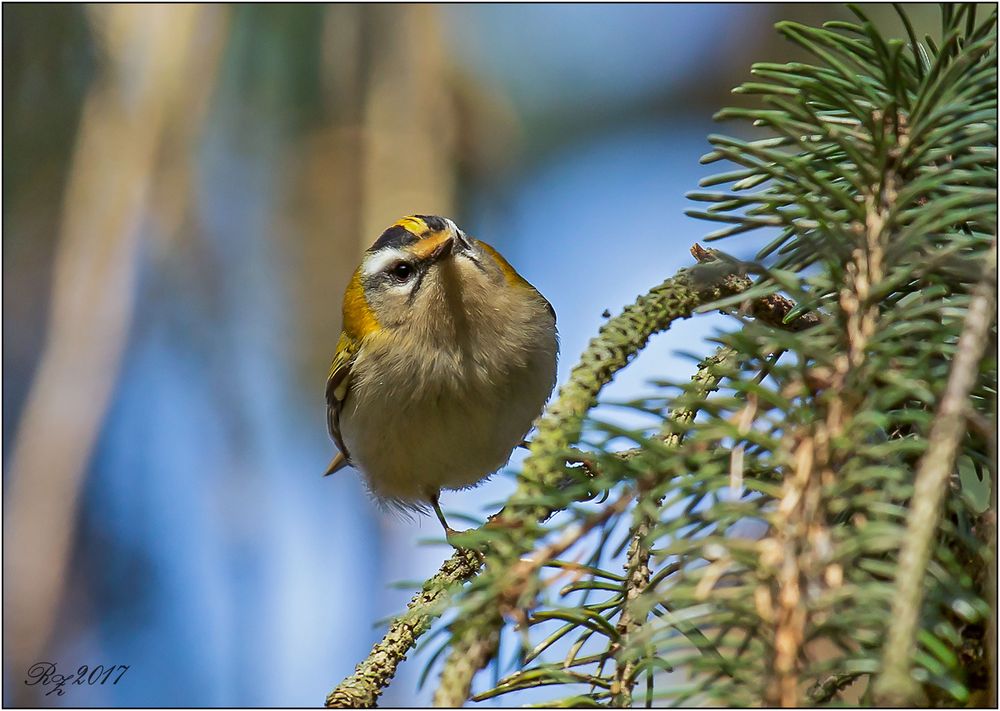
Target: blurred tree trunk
[[409, 119], [385, 150], [141, 107]]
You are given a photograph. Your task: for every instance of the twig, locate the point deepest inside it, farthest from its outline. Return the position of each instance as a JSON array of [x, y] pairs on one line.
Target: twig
[[637, 573], [896, 686], [823, 691], [772, 309], [363, 687], [636, 581]]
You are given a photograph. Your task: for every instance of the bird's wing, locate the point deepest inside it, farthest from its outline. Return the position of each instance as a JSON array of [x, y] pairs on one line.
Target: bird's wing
[[337, 385], [512, 277]]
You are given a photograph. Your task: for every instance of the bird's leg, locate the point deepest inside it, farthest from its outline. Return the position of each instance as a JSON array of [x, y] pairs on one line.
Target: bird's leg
[[448, 530], [450, 533]]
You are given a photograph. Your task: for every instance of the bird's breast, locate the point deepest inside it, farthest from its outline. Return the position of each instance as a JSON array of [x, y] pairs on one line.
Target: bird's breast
[[425, 413]]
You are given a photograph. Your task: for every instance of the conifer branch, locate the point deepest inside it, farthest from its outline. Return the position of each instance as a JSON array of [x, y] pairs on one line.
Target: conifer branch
[[880, 176], [896, 686], [637, 572]]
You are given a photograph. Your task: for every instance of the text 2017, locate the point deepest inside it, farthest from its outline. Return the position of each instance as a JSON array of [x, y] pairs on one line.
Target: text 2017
[[46, 674]]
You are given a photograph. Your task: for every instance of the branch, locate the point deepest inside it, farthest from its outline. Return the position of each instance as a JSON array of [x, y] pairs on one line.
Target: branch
[[823, 691], [771, 309], [480, 651], [362, 689], [896, 686], [636, 581], [637, 575]]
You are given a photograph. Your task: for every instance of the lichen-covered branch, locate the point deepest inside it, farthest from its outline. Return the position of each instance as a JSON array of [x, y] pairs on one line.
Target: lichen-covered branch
[[636, 581], [824, 691], [618, 341], [478, 645], [363, 687], [896, 686]]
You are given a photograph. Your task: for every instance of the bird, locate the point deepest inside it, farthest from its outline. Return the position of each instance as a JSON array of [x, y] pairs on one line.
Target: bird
[[446, 358]]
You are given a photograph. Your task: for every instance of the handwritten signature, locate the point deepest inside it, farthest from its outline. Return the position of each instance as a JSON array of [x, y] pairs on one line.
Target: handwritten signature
[[46, 674]]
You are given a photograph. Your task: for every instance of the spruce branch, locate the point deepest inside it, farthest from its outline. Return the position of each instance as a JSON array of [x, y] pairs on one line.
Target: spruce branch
[[811, 457], [456, 679], [896, 686], [637, 571], [881, 178]]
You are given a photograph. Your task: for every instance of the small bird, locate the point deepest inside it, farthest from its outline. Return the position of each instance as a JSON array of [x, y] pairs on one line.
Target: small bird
[[446, 358]]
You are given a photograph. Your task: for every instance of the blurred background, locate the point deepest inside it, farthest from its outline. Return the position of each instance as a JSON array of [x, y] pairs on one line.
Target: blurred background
[[186, 190]]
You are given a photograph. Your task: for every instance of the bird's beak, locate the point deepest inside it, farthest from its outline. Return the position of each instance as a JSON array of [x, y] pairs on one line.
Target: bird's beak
[[443, 250], [434, 249]]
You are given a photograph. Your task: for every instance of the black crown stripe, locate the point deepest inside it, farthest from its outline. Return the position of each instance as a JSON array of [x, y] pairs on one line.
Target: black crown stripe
[[433, 222], [395, 237]]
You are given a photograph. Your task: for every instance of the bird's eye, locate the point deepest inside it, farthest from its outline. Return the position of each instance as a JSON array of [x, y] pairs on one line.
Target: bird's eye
[[401, 271]]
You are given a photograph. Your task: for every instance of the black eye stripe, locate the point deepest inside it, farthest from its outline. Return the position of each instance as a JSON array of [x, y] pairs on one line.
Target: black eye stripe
[[416, 287]]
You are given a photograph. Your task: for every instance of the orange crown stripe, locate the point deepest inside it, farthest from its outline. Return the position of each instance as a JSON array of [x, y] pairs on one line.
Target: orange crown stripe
[[413, 224]]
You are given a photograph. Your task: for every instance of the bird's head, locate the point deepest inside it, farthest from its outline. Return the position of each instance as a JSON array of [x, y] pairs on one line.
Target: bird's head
[[424, 273]]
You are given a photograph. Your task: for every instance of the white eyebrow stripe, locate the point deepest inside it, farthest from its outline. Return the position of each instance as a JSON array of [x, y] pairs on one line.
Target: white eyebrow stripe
[[383, 258]]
